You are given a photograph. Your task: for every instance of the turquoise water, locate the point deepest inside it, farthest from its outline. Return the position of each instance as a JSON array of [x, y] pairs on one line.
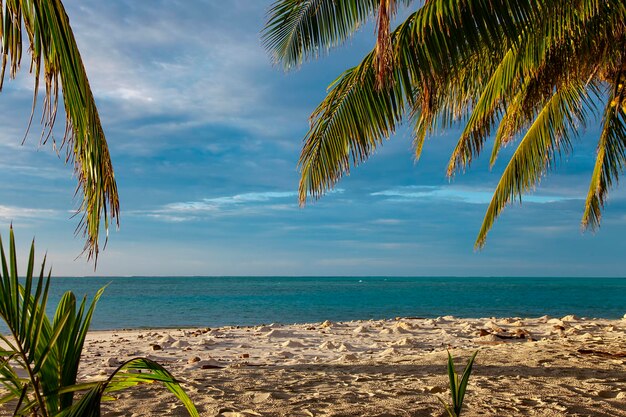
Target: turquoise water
[[139, 302]]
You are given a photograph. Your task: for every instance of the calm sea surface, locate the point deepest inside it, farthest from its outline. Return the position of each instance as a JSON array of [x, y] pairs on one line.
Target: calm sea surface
[[139, 302]]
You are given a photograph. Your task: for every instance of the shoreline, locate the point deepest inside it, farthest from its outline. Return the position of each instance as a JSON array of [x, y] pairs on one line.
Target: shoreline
[[525, 366], [313, 323]]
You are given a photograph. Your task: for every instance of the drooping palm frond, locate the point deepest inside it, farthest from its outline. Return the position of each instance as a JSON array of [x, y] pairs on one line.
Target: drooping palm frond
[[54, 55], [549, 134], [355, 115], [560, 33], [610, 163], [347, 127], [519, 69]]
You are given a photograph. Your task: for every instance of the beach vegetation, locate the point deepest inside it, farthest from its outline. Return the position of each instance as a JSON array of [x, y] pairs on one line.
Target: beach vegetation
[[39, 359], [458, 386], [530, 72], [54, 57]]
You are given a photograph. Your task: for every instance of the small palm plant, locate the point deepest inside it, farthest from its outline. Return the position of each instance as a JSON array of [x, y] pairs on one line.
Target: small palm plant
[[39, 359], [458, 386]]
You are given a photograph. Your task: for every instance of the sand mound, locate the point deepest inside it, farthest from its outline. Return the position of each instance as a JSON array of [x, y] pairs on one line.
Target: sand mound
[[277, 333], [292, 344], [360, 330], [329, 345]]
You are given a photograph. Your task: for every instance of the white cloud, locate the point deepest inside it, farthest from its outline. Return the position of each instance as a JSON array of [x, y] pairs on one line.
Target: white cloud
[[238, 204], [10, 213], [217, 203], [191, 61], [452, 193], [387, 221]]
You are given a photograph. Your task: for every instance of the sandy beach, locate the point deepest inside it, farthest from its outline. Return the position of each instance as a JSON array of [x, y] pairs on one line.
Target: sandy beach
[[543, 366]]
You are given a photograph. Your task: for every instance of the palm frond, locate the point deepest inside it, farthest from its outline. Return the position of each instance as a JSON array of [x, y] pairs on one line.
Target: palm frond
[[53, 48], [610, 163], [347, 127], [134, 372], [537, 151], [485, 113], [26, 332], [302, 29]]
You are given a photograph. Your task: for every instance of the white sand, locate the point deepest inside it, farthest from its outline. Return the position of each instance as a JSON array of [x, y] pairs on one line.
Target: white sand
[[525, 367]]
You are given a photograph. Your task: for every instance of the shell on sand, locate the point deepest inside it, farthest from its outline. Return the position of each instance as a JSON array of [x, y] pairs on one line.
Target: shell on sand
[[205, 364]]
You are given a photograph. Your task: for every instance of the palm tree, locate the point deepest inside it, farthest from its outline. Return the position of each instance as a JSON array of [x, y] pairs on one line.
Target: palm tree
[[532, 71], [55, 56]]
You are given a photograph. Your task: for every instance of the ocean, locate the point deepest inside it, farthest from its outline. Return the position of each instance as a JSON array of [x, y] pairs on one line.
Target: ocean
[[150, 302]]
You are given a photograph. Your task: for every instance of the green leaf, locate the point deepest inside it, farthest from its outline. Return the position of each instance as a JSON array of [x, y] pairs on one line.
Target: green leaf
[[53, 49], [464, 380]]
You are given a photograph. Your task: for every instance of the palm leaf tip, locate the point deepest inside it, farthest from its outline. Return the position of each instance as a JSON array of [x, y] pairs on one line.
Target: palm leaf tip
[[610, 163]]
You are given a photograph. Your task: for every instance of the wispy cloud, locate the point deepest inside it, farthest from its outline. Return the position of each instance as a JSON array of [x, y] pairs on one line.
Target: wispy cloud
[[387, 221], [238, 204], [10, 213], [452, 193], [218, 203]]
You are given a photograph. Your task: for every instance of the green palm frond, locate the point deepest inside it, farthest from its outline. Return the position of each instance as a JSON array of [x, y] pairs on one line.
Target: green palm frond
[[30, 341], [485, 113], [546, 138], [54, 55], [301, 29], [298, 30], [351, 122], [134, 372], [520, 69], [610, 163], [347, 127]]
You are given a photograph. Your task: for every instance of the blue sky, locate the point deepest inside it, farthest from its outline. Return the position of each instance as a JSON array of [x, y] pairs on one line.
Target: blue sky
[[205, 134]]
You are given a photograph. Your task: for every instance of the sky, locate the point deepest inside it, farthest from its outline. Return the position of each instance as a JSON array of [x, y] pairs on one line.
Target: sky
[[205, 133]]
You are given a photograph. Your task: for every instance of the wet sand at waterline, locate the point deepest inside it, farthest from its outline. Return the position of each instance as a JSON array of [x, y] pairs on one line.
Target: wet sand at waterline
[[543, 366]]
